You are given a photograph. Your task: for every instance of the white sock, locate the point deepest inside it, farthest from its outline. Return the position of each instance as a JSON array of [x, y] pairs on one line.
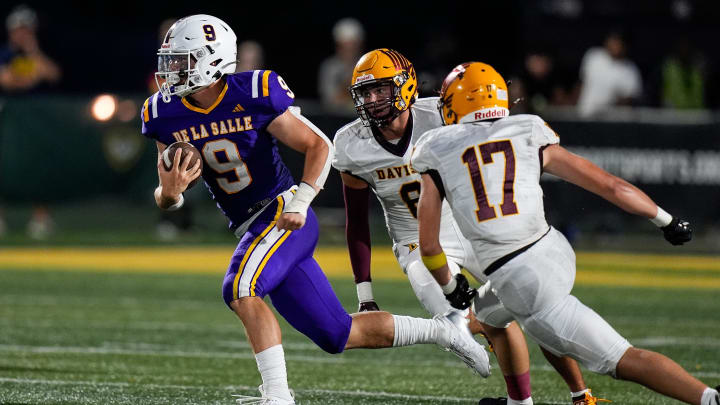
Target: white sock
[[710, 397], [577, 394], [271, 364], [526, 401], [410, 331]]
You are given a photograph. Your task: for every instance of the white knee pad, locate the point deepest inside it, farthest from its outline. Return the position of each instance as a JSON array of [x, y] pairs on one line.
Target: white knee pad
[[426, 289], [573, 329], [489, 310]]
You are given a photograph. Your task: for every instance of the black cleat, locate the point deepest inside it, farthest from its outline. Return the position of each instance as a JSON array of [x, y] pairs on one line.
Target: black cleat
[[368, 306], [493, 401]]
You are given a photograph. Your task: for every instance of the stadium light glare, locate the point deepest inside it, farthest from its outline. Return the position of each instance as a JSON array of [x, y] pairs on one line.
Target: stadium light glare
[[103, 107]]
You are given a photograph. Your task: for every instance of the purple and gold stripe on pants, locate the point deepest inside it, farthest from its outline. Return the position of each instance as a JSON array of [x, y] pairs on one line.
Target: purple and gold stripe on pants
[[257, 255]]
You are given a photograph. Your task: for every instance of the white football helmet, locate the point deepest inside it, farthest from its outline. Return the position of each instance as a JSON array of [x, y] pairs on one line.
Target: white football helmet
[[196, 52]]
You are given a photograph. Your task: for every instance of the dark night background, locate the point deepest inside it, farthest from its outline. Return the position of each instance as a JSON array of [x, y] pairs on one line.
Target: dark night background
[[110, 46]]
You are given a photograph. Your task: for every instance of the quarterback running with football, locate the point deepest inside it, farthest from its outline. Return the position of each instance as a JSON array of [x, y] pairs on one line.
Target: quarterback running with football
[[373, 152], [234, 120], [487, 166]]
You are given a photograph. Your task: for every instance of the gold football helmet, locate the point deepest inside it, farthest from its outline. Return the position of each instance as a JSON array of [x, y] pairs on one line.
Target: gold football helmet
[[473, 91], [384, 84]]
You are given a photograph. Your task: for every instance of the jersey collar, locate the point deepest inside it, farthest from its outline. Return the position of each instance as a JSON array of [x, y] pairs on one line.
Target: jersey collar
[[400, 148], [208, 110]]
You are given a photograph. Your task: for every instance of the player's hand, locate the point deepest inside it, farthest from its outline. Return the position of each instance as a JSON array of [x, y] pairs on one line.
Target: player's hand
[[368, 306], [461, 297], [290, 221], [677, 232], [175, 181]]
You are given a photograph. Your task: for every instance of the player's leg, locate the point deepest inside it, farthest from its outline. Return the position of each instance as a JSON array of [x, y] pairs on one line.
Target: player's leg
[[306, 300], [568, 370], [381, 329], [261, 327], [256, 267], [536, 291], [663, 375], [508, 343]]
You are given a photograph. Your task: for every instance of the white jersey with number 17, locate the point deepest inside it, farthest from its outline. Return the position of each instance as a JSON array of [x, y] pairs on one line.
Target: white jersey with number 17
[[490, 173]]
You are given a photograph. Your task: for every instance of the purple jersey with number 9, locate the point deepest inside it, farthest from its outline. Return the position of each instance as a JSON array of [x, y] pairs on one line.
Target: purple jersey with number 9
[[242, 165]]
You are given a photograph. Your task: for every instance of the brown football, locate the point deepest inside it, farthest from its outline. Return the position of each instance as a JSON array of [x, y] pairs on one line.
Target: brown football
[[169, 153]]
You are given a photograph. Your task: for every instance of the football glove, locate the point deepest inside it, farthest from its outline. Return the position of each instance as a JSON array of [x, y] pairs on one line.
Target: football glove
[[461, 297], [677, 232], [368, 306]]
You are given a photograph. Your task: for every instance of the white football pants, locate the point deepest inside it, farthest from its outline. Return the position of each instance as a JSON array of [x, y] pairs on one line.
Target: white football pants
[[534, 288]]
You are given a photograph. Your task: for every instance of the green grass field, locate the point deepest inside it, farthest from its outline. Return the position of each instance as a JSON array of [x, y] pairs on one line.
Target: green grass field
[[159, 336]]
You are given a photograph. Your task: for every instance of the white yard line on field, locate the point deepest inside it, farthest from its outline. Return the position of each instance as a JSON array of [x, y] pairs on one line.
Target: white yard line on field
[[151, 349], [358, 393], [654, 341]]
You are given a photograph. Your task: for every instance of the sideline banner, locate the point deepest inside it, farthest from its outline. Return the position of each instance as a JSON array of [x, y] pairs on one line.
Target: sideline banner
[[678, 166]]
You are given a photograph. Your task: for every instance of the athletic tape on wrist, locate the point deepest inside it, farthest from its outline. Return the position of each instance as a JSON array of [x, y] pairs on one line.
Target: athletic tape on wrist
[[177, 205], [434, 262], [302, 199], [449, 287], [662, 218]]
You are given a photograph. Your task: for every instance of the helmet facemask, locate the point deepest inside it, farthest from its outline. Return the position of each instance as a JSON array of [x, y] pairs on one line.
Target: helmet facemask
[[184, 72], [387, 103]]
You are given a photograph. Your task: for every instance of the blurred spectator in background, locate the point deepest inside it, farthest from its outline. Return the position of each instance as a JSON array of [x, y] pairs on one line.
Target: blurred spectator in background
[[683, 77], [539, 84], [336, 71], [607, 77], [439, 53], [250, 56], [24, 67]]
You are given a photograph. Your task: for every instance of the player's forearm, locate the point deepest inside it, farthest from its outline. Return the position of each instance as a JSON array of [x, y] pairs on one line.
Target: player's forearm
[[357, 231], [631, 199], [583, 173]]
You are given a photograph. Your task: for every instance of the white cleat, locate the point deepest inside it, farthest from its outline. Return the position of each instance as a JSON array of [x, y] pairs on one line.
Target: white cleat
[[263, 399], [455, 336]]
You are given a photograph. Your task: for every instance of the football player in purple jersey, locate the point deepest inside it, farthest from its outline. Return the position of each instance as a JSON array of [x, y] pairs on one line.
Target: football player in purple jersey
[[234, 120]]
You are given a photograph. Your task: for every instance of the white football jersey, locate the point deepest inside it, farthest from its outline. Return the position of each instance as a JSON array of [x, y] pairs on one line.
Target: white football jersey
[[386, 168], [490, 173]]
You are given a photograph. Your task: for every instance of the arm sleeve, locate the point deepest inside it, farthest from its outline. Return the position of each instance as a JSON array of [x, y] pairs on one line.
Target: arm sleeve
[[357, 231]]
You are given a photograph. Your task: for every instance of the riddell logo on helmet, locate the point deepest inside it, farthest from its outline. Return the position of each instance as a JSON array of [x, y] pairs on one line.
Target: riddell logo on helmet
[[492, 113], [364, 78], [485, 114]]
